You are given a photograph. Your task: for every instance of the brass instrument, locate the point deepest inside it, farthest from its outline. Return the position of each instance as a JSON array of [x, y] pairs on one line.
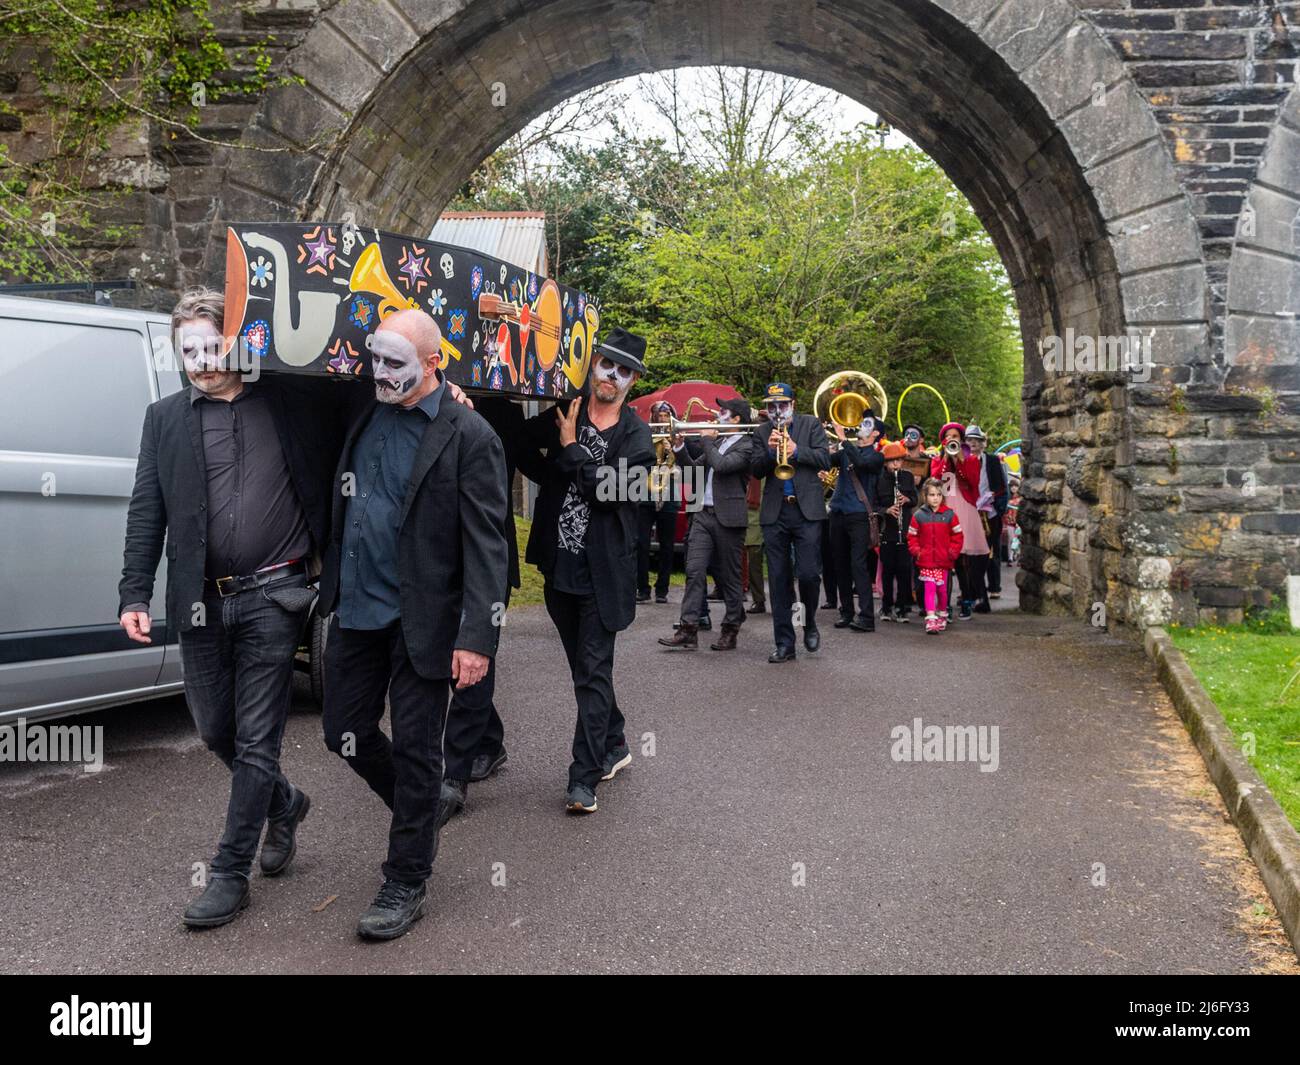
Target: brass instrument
[[662, 471], [679, 427], [952, 448], [784, 470], [847, 397]]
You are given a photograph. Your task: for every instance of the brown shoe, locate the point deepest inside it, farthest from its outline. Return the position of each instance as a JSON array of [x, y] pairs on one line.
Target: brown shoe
[[684, 638], [726, 638]]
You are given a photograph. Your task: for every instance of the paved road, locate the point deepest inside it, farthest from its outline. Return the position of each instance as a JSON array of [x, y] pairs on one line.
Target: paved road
[[757, 771]]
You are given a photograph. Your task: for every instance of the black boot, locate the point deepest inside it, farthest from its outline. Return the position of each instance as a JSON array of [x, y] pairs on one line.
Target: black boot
[[451, 800], [395, 909], [281, 842], [219, 904]]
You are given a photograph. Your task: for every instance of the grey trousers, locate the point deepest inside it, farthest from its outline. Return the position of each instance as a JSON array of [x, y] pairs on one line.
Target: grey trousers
[[713, 546]]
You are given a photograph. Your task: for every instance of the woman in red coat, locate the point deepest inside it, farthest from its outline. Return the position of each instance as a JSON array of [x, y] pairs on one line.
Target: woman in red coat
[[957, 468], [935, 541]]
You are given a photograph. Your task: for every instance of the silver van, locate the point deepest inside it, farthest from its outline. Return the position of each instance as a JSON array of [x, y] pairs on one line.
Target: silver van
[[74, 384]]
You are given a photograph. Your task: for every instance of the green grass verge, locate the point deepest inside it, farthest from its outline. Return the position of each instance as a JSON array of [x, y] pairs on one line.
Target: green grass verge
[[1251, 671]]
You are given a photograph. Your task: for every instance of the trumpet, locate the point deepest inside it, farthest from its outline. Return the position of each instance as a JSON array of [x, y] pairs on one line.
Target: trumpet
[[952, 448], [784, 470]]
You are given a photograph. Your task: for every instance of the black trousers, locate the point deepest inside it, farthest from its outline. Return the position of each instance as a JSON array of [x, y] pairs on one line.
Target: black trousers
[[361, 667], [792, 532], [473, 726], [713, 548], [895, 577], [854, 561], [664, 523], [830, 574], [993, 571], [970, 576], [589, 647]]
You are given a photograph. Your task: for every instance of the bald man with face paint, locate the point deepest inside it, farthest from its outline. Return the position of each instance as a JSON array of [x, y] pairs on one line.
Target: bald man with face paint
[[416, 579]]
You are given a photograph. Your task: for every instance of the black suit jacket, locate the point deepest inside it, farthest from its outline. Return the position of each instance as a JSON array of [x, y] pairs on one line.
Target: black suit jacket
[[997, 483], [812, 454], [171, 489], [730, 475], [452, 557], [612, 533]]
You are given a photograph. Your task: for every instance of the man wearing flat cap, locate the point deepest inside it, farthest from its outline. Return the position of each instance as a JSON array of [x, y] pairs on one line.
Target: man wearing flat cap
[[717, 528], [584, 541]]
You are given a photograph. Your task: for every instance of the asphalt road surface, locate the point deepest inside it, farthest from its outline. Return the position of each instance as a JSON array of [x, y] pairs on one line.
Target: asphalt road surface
[[763, 826]]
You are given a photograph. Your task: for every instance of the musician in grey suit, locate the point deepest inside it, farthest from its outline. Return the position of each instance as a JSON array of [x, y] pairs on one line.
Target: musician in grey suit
[[718, 529]]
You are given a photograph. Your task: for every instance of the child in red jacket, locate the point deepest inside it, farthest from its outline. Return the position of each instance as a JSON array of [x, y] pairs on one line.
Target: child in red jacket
[[934, 540]]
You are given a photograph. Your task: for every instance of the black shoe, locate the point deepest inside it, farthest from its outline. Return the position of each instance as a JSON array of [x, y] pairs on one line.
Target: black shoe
[[903, 617], [219, 904], [830, 606], [782, 654], [281, 842], [661, 597], [484, 765], [863, 624], [964, 614], [619, 758], [812, 639], [983, 607], [451, 801], [842, 622], [758, 608], [580, 799], [395, 909], [643, 597]]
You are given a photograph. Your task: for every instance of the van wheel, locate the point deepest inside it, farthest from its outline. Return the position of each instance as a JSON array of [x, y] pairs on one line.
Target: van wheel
[[316, 666]]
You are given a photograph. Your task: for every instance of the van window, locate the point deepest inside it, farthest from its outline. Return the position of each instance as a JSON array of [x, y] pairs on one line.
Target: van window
[[72, 389]]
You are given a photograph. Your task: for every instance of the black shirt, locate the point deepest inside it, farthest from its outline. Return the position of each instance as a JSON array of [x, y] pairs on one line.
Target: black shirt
[[572, 572], [254, 517]]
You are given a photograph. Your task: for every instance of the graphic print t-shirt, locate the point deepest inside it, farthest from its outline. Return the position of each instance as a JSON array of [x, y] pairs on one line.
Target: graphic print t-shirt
[[572, 573]]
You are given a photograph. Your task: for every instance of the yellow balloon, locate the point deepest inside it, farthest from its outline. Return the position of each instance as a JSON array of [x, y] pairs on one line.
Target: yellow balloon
[[898, 407]]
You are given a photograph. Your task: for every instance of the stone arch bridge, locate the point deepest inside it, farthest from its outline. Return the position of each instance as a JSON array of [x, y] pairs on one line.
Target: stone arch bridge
[[1137, 163]]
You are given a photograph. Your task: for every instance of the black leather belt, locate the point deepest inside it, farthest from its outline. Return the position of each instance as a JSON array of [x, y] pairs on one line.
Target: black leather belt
[[228, 586]]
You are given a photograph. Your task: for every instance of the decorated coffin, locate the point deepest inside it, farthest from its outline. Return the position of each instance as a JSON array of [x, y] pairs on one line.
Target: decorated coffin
[[305, 298]]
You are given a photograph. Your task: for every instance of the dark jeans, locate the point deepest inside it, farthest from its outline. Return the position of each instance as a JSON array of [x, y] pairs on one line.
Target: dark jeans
[[855, 562], [589, 647], [473, 726], [993, 570], [238, 671], [361, 667], [895, 573], [792, 530], [713, 548], [830, 576], [970, 576], [664, 522]]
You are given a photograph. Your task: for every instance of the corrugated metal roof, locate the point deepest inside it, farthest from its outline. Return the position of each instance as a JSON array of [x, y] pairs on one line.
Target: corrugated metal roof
[[515, 237]]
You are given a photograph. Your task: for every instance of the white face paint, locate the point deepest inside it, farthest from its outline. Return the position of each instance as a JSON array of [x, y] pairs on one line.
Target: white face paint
[[396, 365], [199, 342], [611, 380], [780, 411]]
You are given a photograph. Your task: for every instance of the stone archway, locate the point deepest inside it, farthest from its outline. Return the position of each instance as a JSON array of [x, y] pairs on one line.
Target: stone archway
[[1027, 106]]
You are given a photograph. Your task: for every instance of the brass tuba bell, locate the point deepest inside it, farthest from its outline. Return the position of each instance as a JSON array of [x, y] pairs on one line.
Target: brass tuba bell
[[846, 397]]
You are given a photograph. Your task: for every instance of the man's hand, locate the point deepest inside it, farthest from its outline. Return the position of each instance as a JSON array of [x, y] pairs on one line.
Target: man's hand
[[458, 394], [569, 423], [468, 668], [137, 625], [896, 511], [839, 431]]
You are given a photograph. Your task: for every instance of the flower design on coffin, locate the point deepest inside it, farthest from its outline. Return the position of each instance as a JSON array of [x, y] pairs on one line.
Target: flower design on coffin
[[361, 313], [257, 337], [437, 302], [456, 322], [261, 272], [343, 358], [413, 268]]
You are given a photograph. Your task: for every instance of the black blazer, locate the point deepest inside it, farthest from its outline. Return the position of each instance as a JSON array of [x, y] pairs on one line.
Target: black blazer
[[812, 455], [171, 487], [452, 557], [997, 483], [894, 531], [612, 533], [730, 476]]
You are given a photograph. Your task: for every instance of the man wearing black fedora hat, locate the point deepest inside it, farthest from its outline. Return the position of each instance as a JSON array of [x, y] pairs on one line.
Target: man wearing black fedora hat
[[584, 542]]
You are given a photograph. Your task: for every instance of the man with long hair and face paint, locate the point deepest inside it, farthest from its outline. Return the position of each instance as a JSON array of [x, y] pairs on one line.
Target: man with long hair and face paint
[[416, 578], [584, 541], [234, 473]]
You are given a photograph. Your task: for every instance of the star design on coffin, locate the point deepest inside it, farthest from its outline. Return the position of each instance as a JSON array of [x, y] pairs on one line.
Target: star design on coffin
[[319, 250], [414, 268], [344, 358]]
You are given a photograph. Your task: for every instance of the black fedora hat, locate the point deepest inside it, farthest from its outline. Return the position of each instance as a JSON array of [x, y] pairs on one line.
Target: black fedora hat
[[626, 349]]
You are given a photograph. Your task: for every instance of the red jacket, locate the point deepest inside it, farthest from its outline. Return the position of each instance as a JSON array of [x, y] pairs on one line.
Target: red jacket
[[934, 537], [968, 473]]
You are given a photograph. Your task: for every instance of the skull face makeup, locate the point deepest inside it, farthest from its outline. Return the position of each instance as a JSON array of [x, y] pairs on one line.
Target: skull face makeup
[[780, 411], [199, 342], [611, 381], [396, 365]]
